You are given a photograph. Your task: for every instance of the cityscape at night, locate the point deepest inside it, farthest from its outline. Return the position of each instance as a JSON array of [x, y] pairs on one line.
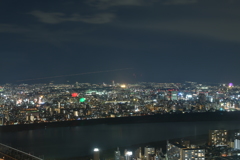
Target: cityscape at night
[[51, 103], [45, 104], [119, 80], [41, 103]]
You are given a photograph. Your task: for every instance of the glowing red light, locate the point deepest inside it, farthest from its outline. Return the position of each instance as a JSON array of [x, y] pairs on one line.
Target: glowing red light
[[74, 94]]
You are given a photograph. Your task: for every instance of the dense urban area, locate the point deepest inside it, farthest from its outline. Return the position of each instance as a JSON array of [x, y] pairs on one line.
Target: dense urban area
[[40, 103], [46, 103], [220, 145]]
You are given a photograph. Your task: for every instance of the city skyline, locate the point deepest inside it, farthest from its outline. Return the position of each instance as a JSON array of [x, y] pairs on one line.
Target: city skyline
[[162, 40]]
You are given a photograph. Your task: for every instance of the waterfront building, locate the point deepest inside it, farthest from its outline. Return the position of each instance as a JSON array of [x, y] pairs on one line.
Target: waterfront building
[[218, 138], [176, 151]]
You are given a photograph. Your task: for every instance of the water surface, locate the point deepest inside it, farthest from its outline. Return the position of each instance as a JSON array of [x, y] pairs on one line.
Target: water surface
[[77, 141]]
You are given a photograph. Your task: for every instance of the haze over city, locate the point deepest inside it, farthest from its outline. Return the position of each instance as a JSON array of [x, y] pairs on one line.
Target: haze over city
[[162, 40]]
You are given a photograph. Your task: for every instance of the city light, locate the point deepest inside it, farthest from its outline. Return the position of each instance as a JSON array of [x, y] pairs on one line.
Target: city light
[[82, 100], [95, 149], [129, 153], [123, 86], [74, 94], [112, 102]]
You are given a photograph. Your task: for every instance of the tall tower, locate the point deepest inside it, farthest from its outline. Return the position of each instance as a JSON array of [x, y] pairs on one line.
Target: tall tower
[[96, 154], [113, 83]]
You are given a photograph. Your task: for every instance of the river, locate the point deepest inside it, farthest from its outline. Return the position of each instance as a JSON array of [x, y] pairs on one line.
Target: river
[[64, 142]]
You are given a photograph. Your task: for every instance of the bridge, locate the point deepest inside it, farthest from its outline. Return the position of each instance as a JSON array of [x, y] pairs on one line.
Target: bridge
[[9, 153]]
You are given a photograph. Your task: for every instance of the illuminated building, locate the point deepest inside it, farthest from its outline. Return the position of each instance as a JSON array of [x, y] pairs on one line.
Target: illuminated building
[[210, 98], [237, 144], [161, 95], [128, 155], [96, 154], [149, 152], [237, 134], [138, 153], [196, 154], [179, 152], [189, 96], [174, 95], [218, 137], [117, 154]]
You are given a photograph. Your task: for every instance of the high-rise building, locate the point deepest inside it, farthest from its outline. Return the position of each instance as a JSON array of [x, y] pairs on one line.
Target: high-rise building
[[128, 155], [179, 152], [237, 134], [96, 155], [189, 154], [138, 153], [174, 95], [149, 152], [117, 154], [237, 144], [218, 137]]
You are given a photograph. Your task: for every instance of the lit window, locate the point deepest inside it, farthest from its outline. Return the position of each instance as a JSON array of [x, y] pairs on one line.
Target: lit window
[[199, 154]]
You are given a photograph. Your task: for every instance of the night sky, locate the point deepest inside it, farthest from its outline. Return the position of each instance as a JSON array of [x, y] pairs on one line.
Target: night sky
[[161, 40]]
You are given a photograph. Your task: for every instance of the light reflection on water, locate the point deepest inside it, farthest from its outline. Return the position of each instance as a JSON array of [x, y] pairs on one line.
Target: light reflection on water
[[80, 140]]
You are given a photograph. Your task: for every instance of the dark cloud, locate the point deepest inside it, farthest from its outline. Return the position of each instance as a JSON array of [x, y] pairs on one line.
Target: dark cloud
[[154, 36], [57, 17], [105, 4], [179, 2], [219, 29], [10, 28]]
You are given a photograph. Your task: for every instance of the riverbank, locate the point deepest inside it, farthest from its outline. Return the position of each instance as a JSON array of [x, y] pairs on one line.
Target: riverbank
[[109, 153], [187, 117]]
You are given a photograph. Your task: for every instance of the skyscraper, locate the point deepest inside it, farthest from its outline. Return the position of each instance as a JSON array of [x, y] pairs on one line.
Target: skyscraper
[[218, 137], [96, 154]]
